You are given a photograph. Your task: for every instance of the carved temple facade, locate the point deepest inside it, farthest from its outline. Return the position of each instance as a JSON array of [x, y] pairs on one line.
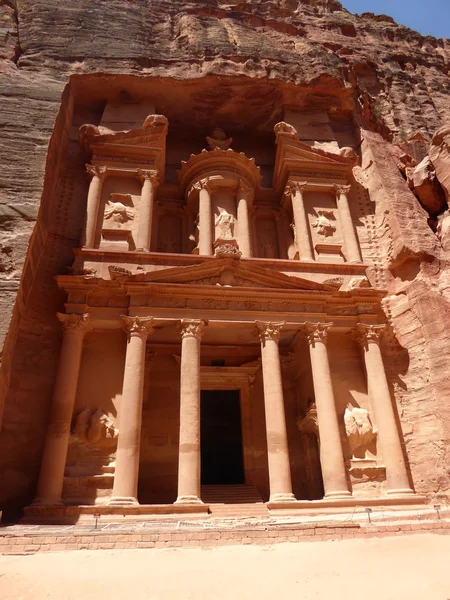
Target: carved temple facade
[[220, 336]]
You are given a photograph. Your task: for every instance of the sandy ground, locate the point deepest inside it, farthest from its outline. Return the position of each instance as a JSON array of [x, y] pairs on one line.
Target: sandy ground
[[407, 567]]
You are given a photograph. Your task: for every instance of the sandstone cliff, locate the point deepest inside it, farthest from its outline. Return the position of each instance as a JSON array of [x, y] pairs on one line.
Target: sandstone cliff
[[393, 81]]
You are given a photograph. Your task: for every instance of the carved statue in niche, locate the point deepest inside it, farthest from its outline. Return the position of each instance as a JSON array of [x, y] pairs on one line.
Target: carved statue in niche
[[224, 223], [218, 140], [324, 223], [117, 212], [359, 430]]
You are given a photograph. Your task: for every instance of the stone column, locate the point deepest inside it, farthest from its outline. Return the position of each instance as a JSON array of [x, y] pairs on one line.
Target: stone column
[[93, 204], [53, 463], [331, 455], [277, 443], [149, 181], [348, 230], [302, 235], [388, 436], [205, 241], [243, 199], [189, 445], [130, 415]]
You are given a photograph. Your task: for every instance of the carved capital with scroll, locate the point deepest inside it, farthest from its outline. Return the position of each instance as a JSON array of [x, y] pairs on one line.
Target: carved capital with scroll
[[137, 326], [75, 323], [316, 332], [269, 331], [202, 184], [245, 189], [364, 334], [342, 189], [294, 187], [96, 171], [152, 176], [192, 328]]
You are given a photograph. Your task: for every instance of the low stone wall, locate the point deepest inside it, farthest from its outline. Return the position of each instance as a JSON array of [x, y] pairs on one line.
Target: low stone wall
[[30, 543]]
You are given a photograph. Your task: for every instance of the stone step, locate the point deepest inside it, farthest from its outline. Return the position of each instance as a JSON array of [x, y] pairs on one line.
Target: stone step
[[243, 511], [230, 494]]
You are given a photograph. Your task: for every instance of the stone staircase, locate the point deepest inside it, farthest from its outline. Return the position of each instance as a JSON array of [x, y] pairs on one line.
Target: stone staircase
[[234, 500]]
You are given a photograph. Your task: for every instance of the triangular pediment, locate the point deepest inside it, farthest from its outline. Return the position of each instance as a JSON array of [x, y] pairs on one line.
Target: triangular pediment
[[227, 272]]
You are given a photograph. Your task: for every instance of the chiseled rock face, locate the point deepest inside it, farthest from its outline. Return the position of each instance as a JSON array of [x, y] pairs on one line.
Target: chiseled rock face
[[391, 80]]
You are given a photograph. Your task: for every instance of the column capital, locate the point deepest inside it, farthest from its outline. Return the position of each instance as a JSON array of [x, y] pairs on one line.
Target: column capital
[[137, 326], [244, 188], [192, 328], [269, 331], [149, 175], [74, 322], [96, 171], [316, 332], [365, 334], [295, 186], [201, 184], [342, 189]]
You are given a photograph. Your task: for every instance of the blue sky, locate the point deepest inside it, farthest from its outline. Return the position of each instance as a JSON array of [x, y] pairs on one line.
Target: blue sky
[[429, 17]]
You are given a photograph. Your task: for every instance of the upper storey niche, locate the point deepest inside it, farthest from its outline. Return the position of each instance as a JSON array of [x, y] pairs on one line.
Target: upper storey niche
[[275, 195]]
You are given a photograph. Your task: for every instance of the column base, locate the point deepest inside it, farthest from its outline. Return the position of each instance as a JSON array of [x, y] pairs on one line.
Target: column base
[[337, 495], [45, 502], [142, 250], [282, 498], [400, 492], [188, 500], [123, 501]]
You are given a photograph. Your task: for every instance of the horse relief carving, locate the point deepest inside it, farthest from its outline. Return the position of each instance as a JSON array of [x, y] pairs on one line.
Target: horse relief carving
[[324, 223], [359, 430]]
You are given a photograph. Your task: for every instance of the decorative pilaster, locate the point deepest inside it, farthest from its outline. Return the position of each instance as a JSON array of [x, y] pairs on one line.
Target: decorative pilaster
[[149, 180], [369, 337], [205, 241], [348, 230], [130, 414], [189, 448], [54, 457], [244, 193], [302, 236], [277, 443], [331, 455], [93, 204]]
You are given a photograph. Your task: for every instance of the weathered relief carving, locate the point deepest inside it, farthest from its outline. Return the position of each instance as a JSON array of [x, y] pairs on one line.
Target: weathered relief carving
[[218, 140], [359, 430], [93, 427], [118, 210], [324, 223], [225, 223]]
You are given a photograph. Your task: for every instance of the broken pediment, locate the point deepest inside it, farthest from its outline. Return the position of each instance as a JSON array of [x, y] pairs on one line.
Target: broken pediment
[[227, 273], [143, 146], [299, 160]]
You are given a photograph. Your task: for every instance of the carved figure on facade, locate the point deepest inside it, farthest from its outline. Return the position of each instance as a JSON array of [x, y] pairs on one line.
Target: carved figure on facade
[[324, 223], [283, 128], [225, 223], [359, 430], [94, 426], [118, 212], [218, 140]]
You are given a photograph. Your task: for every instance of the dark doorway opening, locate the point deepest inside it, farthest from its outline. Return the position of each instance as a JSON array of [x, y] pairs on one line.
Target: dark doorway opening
[[221, 438]]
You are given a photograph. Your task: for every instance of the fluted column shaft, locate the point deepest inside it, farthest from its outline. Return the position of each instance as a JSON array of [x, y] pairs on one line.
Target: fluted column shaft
[[243, 199], [205, 241], [331, 455], [149, 181], [93, 204], [388, 436], [302, 236], [51, 477], [348, 229], [130, 416], [189, 444], [277, 442]]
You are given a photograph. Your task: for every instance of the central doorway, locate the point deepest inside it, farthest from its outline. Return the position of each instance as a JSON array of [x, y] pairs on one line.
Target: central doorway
[[222, 460]]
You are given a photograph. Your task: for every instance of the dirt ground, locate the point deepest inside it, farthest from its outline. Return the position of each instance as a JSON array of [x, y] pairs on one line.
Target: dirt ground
[[414, 567]]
